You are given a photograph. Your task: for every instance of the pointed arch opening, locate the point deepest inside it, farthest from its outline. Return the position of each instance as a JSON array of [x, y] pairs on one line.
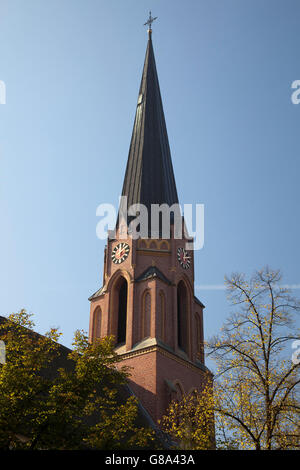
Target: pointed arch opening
[[122, 310], [162, 316], [199, 339], [198, 336], [146, 314], [182, 316], [97, 323], [179, 391]]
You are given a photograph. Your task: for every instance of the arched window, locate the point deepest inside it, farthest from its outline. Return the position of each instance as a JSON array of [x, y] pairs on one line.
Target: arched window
[[182, 316], [122, 312], [163, 246], [198, 337], [162, 316], [97, 323], [142, 244], [146, 314], [179, 394]]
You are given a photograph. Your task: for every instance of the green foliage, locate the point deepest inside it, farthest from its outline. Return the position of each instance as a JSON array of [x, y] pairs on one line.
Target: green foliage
[[71, 407], [118, 430], [190, 421]]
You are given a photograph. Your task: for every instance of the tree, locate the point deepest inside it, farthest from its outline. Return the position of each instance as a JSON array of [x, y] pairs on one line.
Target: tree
[[51, 398], [190, 421], [256, 394], [254, 402]]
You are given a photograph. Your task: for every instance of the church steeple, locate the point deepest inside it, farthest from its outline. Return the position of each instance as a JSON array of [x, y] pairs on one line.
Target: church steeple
[[149, 177], [147, 300]]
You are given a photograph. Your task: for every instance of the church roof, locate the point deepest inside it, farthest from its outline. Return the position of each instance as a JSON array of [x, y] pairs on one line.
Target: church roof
[[97, 293], [149, 273], [149, 177], [199, 302]]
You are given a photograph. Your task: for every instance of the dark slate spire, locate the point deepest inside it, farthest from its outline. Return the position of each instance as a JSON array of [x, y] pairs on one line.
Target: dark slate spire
[[149, 177]]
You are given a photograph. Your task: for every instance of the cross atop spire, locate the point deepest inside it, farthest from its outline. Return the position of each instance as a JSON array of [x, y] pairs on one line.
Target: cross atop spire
[[149, 22]]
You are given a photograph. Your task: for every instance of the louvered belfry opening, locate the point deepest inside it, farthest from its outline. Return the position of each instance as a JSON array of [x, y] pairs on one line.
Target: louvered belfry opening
[[122, 312], [182, 316]]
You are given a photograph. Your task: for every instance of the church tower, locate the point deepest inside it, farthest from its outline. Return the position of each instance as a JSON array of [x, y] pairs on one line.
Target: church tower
[[147, 300]]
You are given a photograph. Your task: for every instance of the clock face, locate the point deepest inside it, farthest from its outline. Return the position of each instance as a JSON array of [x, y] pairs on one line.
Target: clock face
[[183, 258], [120, 253]]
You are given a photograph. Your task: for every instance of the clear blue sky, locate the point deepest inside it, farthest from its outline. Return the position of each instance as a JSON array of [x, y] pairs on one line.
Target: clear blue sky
[[72, 69]]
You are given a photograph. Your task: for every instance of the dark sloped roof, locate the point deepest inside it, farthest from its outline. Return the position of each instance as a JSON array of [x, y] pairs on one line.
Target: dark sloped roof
[[149, 273], [199, 302], [96, 294], [61, 360], [152, 272], [149, 177]]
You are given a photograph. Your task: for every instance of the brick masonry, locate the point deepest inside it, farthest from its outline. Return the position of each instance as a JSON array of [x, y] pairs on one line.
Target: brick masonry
[[161, 370]]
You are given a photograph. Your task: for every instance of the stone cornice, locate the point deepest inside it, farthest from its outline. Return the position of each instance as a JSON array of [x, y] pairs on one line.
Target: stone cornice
[[171, 355]]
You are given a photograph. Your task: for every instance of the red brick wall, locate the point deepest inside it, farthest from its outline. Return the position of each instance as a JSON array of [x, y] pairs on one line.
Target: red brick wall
[[148, 378], [150, 370]]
